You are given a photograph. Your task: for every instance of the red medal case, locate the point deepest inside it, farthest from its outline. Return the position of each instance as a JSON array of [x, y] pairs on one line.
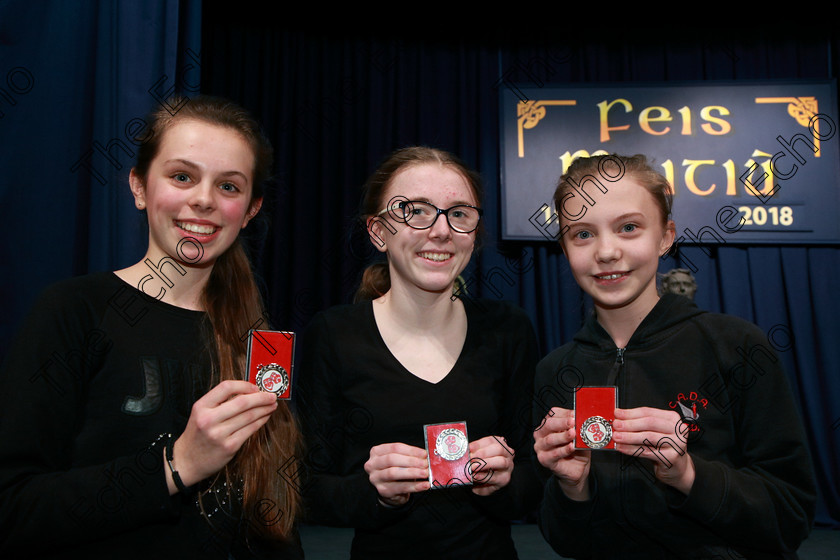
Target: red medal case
[[449, 454], [270, 361], [593, 402]]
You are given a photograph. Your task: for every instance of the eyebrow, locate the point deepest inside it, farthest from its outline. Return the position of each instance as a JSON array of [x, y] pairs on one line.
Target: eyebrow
[[456, 203], [188, 163], [629, 216], [621, 218]]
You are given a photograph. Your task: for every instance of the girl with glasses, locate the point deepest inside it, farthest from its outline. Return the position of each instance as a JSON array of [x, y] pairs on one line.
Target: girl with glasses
[[410, 353]]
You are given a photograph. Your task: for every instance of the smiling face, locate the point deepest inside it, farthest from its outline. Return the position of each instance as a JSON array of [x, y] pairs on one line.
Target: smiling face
[[614, 249], [428, 259], [198, 186]]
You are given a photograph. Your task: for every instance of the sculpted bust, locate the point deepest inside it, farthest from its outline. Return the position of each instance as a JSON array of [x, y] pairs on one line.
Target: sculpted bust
[[679, 281]]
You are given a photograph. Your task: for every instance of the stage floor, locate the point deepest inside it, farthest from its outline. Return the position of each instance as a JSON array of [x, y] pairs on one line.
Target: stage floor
[[329, 543]]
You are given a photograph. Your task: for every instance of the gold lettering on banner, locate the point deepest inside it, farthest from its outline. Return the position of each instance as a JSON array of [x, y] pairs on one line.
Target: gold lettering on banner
[[802, 109], [530, 113], [567, 158], [691, 185], [714, 124], [645, 119], [604, 109], [758, 181], [709, 126], [692, 166], [767, 168]]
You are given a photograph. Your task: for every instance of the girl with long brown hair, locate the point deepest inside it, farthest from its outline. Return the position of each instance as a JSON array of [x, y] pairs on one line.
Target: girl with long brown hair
[[136, 435]]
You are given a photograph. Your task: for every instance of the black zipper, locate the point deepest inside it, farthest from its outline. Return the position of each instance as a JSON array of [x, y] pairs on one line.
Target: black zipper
[[619, 361]]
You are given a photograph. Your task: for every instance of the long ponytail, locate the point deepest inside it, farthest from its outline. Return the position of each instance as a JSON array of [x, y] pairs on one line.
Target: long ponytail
[[233, 304], [376, 280]]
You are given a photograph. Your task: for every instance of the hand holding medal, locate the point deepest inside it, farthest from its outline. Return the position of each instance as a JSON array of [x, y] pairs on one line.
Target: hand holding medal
[[554, 444], [219, 424], [566, 438], [491, 465], [662, 437], [397, 470]]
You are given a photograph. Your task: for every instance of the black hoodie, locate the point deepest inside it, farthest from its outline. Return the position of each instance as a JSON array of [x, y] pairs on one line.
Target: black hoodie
[[754, 492]]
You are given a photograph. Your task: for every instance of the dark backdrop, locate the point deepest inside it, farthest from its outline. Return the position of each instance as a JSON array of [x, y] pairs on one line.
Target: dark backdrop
[[75, 75]]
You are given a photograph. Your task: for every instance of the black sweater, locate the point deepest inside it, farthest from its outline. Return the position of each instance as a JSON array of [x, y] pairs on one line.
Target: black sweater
[[353, 394], [754, 491], [97, 372]]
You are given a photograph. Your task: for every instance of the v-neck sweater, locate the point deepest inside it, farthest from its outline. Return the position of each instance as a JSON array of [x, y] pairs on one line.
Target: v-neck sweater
[[353, 394]]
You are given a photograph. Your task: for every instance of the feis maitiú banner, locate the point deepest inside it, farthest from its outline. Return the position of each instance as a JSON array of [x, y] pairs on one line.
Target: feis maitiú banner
[[749, 162]]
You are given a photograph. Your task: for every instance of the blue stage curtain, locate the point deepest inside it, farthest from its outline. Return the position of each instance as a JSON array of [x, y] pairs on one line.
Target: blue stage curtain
[[77, 80]]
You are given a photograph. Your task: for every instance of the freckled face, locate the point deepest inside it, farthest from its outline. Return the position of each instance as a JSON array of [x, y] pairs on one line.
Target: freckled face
[[197, 193], [614, 248], [428, 259]]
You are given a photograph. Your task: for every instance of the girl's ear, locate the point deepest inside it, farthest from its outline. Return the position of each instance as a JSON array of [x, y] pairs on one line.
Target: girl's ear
[[376, 228], [138, 189], [668, 237], [252, 211]]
